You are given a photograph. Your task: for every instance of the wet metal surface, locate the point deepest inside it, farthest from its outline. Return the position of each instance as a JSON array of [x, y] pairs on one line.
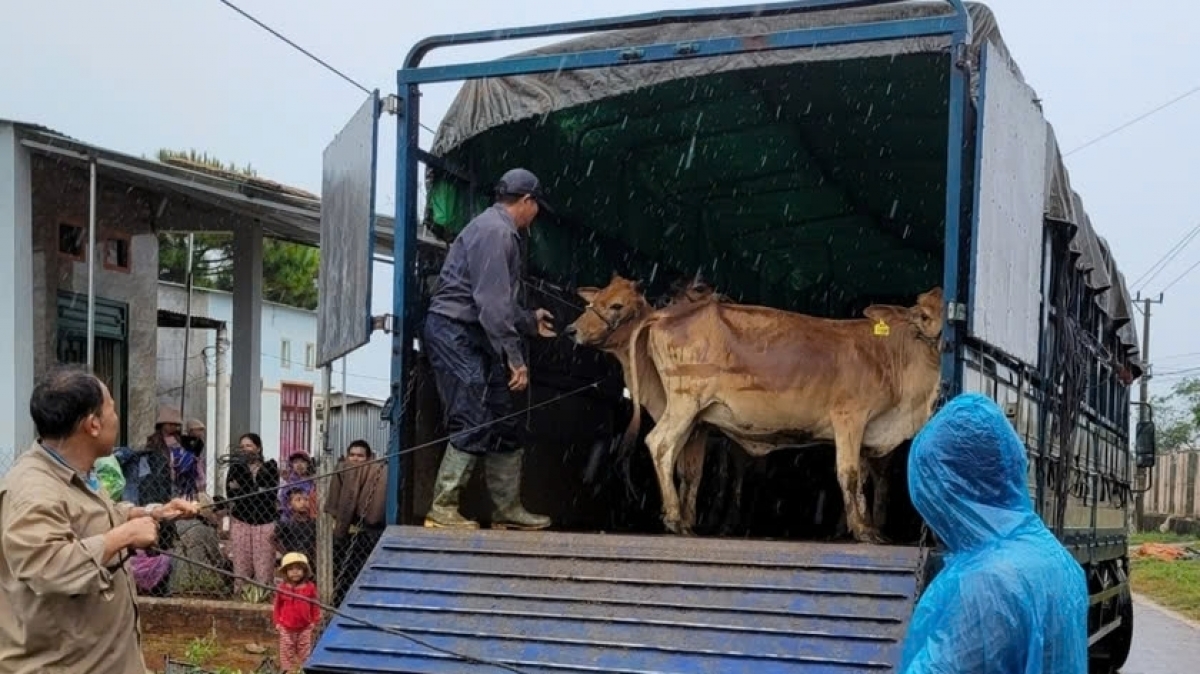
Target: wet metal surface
[[1162, 643], [555, 602]]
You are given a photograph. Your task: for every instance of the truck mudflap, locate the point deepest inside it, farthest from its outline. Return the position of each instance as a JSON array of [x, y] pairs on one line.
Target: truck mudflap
[[550, 602]]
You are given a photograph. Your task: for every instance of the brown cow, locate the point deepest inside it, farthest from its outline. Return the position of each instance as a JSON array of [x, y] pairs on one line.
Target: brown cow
[[612, 315], [769, 378], [691, 467]]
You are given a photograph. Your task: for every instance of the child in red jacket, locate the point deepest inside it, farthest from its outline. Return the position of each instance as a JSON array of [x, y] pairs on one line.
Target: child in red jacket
[[296, 611]]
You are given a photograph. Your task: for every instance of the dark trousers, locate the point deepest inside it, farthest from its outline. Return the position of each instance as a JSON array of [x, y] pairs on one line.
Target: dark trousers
[[350, 555], [472, 382]]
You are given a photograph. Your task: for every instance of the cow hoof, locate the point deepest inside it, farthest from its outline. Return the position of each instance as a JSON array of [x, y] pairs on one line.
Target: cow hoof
[[674, 526]]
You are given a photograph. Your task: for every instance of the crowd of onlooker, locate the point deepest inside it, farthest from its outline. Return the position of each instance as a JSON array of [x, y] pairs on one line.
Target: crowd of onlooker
[[263, 514]]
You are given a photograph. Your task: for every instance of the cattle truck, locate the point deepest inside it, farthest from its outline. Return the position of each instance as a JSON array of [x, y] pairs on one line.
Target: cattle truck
[[814, 156]]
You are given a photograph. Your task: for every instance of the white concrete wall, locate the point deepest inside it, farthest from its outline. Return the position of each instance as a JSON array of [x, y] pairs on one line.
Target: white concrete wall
[[367, 369], [16, 297]]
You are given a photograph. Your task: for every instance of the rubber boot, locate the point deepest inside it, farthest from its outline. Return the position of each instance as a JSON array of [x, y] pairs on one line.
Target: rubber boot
[[504, 483], [452, 476]]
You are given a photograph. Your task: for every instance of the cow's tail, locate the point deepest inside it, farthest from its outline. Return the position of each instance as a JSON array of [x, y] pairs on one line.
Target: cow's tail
[[636, 349]]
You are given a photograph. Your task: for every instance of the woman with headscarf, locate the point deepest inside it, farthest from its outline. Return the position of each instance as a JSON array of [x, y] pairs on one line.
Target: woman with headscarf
[[250, 489], [170, 470]]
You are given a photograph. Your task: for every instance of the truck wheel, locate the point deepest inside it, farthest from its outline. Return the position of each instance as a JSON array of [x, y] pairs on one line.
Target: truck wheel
[[1113, 652], [1121, 640]]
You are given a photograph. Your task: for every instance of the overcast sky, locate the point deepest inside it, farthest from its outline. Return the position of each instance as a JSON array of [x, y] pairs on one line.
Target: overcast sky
[[138, 75]]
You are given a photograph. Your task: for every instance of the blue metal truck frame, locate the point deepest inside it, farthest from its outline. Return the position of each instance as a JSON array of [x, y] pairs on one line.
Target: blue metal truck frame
[[956, 26]]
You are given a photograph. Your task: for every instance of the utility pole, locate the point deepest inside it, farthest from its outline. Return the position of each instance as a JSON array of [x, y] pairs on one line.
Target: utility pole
[[1144, 395]]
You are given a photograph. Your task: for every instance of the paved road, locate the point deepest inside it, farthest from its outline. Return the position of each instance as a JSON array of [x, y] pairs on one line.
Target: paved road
[[1162, 642]]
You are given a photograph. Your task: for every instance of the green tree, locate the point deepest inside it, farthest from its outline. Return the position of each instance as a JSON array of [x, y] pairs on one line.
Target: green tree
[[290, 270], [1177, 415]]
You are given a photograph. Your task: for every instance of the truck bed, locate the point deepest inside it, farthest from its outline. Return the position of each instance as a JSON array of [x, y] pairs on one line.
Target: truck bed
[[559, 602]]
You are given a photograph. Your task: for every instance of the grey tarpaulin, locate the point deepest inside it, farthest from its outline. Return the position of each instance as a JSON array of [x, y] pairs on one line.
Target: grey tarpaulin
[[485, 104]]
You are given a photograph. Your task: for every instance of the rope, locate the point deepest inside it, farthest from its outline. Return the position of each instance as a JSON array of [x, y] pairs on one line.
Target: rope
[[341, 614], [409, 450]]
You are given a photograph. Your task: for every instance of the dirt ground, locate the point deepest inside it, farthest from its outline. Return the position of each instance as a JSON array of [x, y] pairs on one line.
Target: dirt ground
[[212, 634], [230, 652]]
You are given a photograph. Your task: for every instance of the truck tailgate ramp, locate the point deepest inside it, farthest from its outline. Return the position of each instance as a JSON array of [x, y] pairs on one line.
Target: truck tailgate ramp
[[550, 602]]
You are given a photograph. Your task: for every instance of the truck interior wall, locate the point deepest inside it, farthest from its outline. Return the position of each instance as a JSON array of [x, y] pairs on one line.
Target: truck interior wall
[[814, 187]]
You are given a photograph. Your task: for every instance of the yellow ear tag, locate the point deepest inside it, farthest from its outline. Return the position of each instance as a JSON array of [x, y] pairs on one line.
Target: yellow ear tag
[[882, 329]]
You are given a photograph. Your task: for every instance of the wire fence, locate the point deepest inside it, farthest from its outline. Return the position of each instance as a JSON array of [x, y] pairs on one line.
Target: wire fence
[[254, 513], [255, 516]]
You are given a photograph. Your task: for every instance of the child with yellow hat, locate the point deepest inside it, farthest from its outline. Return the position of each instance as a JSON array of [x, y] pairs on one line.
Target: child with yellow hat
[[296, 612]]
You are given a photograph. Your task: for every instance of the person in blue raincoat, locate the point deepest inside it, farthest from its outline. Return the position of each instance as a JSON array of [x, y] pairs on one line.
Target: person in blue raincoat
[[1010, 599]]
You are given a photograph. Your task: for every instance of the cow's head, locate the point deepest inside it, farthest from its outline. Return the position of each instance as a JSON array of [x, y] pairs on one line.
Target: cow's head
[[925, 317], [610, 315], [928, 314]]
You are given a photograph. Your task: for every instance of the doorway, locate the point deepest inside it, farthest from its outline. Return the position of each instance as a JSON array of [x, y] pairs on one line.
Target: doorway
[[111, 346], [295, 420]]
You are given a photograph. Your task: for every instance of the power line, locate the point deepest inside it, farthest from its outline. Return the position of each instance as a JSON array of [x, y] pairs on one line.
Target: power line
[[1158, 267], [275, 357], [1177, 374], [1177, 356], [302, 50], [1118, 129], [295, 46], [1181, 276]]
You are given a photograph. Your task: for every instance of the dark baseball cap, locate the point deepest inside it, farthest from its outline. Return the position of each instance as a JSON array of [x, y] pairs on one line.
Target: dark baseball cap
[[520, 181]]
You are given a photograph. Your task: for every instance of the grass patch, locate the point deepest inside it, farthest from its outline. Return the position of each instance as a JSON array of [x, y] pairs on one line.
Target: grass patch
[[1175, 585], [1156, 537]]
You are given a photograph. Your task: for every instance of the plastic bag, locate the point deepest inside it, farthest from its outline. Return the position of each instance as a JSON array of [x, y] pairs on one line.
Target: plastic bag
[[1010, 599], [108, 470]]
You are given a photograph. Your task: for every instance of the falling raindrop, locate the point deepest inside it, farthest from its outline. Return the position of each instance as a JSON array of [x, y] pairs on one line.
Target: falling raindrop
[[691, 153]]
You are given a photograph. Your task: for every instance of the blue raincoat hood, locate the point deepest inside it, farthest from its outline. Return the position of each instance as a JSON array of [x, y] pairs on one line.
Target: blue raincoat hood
[[1010, 599], [967, 474]]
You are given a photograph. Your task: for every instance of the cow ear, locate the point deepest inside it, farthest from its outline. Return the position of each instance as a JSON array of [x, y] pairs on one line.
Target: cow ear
[[588, 294]]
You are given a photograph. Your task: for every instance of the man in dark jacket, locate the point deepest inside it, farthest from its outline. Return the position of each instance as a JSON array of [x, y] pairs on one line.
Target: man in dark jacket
[[474, 339]]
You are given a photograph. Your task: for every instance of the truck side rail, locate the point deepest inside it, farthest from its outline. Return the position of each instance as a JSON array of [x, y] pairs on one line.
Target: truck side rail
[[957, 22]]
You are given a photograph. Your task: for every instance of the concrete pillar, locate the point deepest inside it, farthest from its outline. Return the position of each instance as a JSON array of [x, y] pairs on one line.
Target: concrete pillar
[[245, 395], [220, 438], [16, 297]]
